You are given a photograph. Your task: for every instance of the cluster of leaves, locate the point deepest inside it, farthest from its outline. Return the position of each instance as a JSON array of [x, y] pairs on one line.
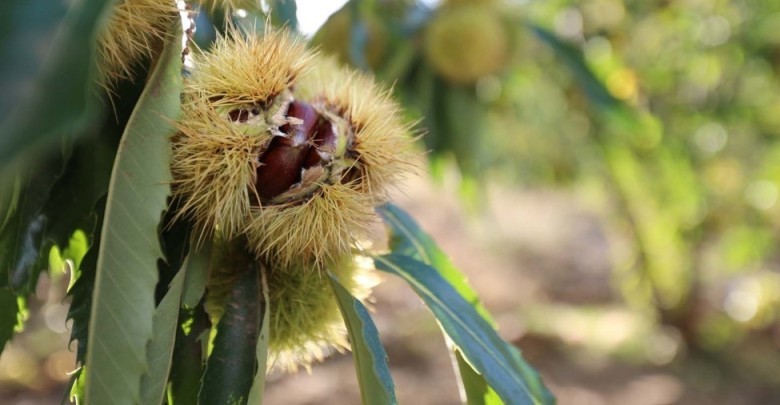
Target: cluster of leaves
[[85, 186], [668, 107]]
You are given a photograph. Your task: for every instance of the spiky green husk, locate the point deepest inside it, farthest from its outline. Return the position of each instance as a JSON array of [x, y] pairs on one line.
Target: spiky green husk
[[318, 230], [246, 69], [235, 103], [215, 157], [213, 162], [305, 321], [464, 42], [329, 223], [383, 140], [131, 33]]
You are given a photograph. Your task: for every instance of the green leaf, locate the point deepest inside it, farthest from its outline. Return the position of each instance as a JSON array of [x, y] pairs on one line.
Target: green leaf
[[358, 33], [188, 356], [123, 299], [81, 290], [261, 353], [197, 269], [22, 233], [232, 365], [376, 383], [572, 57], [74, 394], [160, 350], [84, 180], [463, 116], [407, 238], [505, 371], [49, 92], [50, 201], [284, 13], [476, 389], [9, 309]]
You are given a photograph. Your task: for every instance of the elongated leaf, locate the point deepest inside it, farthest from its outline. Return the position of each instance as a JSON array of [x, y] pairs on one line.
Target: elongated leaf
[[476, 389], [408, 239], [197, 268], [123, 300], [160, 350], [261, 352], [231, 367], [462, 116], [376, 383], [188, 356], [572, 56], [81, 290], [45, 93], [481, 346], [75, 392]]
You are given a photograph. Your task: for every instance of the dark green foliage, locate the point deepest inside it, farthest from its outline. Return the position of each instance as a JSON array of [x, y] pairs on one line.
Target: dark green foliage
[[81, 292], [22, 236], [232, 363], [9, 312], [37, 105], [189, 354]]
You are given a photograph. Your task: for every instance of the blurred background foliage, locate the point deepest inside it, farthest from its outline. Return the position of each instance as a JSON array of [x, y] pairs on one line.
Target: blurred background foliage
[[663, 115], [660, 117], [667, 111]]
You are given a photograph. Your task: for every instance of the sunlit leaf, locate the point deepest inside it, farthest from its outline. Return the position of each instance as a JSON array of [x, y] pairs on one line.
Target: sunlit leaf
[[376, 383], [476, 389], [407, 238], [75, 392], [505, 371], [123, 300], [160, 350]]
